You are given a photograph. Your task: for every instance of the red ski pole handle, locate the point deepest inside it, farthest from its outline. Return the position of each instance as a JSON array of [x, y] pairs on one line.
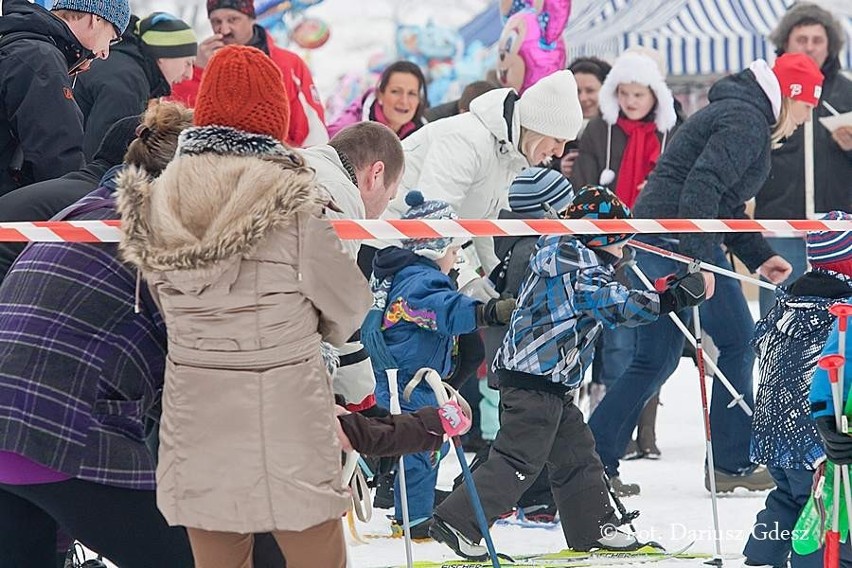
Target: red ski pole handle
[[842, 313], [663, 283], [832, 364]]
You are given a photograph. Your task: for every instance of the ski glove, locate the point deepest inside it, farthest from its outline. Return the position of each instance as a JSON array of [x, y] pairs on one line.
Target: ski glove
[[495, 312], [453, 418], [683, 293], [838, 446], [480, 289]]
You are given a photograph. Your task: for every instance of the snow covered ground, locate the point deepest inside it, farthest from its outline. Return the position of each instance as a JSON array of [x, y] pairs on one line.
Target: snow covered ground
[[675, 507]]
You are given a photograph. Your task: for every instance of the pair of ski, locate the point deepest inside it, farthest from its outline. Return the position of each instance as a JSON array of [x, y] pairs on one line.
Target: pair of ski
[[573, 559]]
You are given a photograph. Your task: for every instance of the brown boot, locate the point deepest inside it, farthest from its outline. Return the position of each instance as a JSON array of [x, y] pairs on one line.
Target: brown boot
[[646, 434]]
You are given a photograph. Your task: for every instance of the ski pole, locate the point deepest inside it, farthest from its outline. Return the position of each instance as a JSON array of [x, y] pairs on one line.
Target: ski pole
[[711, 466], [842, 312], [717, 372], [433, 379], [403, 495], [704, 265], [831, 558]]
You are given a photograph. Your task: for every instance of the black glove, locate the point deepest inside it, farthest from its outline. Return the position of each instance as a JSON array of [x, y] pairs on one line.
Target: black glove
[[838, 447], [495, 312], [683, 293]]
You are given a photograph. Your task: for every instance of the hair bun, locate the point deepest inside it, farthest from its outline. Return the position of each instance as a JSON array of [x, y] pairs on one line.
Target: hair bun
[[414, 198]]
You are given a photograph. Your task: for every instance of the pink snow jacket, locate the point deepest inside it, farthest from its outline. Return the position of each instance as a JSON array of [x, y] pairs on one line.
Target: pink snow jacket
[[364, 109]]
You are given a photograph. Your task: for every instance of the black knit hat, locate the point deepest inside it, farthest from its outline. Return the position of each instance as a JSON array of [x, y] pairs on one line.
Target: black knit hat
[[598, 202], [166, 36], [116, 140]]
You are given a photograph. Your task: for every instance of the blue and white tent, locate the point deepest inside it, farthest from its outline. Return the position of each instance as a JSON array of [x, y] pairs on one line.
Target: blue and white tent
[[696, 37]]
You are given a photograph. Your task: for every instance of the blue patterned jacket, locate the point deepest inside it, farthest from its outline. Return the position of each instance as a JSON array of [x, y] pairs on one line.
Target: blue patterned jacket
[[567, 297], [789, 341]]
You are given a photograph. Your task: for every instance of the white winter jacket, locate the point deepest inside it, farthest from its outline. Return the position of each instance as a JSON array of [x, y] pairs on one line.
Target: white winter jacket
[[467, 160], [333, 177]]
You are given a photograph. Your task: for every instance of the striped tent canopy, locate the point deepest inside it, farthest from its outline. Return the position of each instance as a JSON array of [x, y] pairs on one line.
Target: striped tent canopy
[[696, 37]]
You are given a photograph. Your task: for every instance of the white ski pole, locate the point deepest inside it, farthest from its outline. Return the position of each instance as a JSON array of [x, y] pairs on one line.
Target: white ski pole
[[704, 265], [403, 491], [711, 468], [842, 312], [717, 373]]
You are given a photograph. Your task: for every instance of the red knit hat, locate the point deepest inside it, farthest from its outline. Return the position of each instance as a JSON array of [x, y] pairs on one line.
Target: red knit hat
[[242, 88], [799, 76], [244, 6]]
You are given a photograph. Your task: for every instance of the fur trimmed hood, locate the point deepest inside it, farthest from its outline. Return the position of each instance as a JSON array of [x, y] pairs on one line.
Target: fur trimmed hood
[[635, 67], [221, 195]]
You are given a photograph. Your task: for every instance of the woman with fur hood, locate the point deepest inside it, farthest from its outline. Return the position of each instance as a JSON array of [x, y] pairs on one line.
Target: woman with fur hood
[[232, 244]]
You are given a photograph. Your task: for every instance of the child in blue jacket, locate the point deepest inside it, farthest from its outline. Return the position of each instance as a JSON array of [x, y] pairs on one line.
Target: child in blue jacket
[[416, 317], [789, 342], [568, 295]]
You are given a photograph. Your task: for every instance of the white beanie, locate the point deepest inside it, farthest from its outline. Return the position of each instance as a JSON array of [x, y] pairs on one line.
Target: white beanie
[[644, 66], [552, 107]]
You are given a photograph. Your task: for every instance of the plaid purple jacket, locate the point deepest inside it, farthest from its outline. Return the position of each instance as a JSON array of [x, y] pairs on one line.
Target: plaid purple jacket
[[79, 370]]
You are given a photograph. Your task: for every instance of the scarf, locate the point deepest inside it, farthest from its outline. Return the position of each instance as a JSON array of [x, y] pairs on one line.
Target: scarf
[[640, 156], [378, 115]]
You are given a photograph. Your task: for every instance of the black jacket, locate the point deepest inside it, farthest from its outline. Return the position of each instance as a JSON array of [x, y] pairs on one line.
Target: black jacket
[[718, 161], [783, 194], [41, 127], [41, 201], [117, 87]]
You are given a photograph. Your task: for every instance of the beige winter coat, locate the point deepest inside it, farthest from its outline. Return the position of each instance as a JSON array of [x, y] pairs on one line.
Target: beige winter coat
[[249, 280]]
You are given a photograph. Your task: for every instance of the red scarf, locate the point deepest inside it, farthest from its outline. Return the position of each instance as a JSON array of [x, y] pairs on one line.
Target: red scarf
[[640, 157]]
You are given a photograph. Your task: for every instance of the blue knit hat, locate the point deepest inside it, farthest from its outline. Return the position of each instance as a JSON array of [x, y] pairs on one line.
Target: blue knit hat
[[830, 247], [537, 190], [434, 209], [116, 12]]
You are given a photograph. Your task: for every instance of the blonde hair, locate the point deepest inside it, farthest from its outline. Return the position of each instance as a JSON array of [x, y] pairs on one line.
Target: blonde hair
[[70, 15], [157, 136], [784, 126]]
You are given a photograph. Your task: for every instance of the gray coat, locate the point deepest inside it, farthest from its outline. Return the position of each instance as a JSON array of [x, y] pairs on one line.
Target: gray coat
[[717, 162]]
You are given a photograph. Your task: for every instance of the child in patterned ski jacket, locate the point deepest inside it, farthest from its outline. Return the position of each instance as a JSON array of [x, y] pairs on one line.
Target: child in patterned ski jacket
[[788, 342], [416, 317], [568, 295]]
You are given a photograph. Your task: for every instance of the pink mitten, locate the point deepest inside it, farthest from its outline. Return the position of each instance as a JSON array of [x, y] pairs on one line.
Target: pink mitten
[[453, 419]]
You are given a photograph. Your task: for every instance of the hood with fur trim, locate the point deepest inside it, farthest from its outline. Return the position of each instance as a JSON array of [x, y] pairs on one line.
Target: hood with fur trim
[[221, 195], [634, 67]]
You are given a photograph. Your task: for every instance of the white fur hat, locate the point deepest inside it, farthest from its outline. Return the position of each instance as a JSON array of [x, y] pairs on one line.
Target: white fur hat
[[638, 66], [552, 107]]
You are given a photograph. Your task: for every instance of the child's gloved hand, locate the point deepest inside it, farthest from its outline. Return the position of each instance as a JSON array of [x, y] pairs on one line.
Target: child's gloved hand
[[481, 289], [495, 312], [453, 418], [838, 446], [683, 293]]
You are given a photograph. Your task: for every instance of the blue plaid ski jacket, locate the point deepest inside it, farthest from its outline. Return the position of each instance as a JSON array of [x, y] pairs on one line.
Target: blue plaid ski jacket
[[566, 298]]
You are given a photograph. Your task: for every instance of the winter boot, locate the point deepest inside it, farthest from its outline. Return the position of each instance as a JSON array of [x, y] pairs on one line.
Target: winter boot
[[614, 540], [756, 480], [632, 452], [539, 513], [646, 432], [461, 545], [624, 489]]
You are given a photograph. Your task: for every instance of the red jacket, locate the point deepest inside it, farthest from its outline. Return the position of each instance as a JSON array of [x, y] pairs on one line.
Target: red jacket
[[307, 118]]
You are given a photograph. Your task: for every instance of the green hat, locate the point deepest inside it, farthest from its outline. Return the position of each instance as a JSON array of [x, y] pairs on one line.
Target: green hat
[[166, 36]]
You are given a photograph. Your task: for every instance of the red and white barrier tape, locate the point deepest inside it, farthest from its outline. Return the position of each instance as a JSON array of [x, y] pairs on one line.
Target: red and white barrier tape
[[109, 231]]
